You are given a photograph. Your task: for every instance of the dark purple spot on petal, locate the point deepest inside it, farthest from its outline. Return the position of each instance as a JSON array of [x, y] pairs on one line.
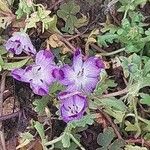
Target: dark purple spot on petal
[[17, 41], [39, 68], [99, 63], [28, 68], [41, 80], [62, 94], [77, 52], [12, 50], [58, 74], [29, 48], [61, 74], [18, 45], [42, 92], [47, 54], [16, 76]]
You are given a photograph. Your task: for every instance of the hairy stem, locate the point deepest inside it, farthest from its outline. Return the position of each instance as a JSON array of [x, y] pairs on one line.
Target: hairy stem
[[134, 102], [124, 91], [77, 142], [112, 53]]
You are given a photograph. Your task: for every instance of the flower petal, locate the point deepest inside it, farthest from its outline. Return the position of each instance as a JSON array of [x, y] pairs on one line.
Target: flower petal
[[39, 89], [22, 74], [25, 42], [19, 42], [17, 74], [58, 73], [92, 67], [77, 61], [73, 107], [89, 84], [44, 58], [69, 75]]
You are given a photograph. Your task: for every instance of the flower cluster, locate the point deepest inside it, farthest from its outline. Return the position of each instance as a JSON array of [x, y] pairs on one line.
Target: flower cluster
[[80, 78]]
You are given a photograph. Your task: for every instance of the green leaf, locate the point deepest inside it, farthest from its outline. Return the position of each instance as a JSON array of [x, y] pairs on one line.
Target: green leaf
[[40, 129], [66, 140], [83, 21], [105, 138], [146, 68], [73, 146], [40, 104], [24, 8], [31, 22], [68, 13], [111, 102], [2, 50], [85, 120], [50, 24], [145, 99], [26, 138], [14, 65], [1, 61], [106, 38], [145, 81], [55, 87], [117, 145], [104, 85], [131, 147], [118, 115], [130, 126], [27, 135]]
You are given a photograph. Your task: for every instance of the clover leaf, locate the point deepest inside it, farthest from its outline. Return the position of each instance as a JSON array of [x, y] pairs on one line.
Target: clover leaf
[[106, 138], [68, 13]]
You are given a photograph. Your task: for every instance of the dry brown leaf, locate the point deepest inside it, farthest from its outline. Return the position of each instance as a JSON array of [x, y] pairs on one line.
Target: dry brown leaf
[[55, 42], [34, 145], [19, 24], [8, 106], [4, 6]]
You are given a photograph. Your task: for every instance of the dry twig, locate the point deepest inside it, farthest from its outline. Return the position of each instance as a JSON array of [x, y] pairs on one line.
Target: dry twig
[[112, 124], [138, 141]]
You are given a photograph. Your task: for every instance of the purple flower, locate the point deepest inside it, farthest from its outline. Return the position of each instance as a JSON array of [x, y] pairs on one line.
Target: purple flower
[[82, 75], [39, 75], [73, 106], [19, 42]]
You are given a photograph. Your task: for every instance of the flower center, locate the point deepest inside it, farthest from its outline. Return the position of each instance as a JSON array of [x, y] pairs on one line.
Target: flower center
[[80, 73], [73, 109], [36, 74]]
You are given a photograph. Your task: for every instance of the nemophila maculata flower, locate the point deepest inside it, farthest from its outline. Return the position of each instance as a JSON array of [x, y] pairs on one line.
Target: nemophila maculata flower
[[41, 74], [73, 106], [19, 42], [82, 75]]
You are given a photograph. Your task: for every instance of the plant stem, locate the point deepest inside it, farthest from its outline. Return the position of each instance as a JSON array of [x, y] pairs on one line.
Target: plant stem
[[125, 14], [134, 102], [111, 53], [145, 39], [55, 140], [17, 58], [140, 118], [124, 91], [114, 126], [77, 142]]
